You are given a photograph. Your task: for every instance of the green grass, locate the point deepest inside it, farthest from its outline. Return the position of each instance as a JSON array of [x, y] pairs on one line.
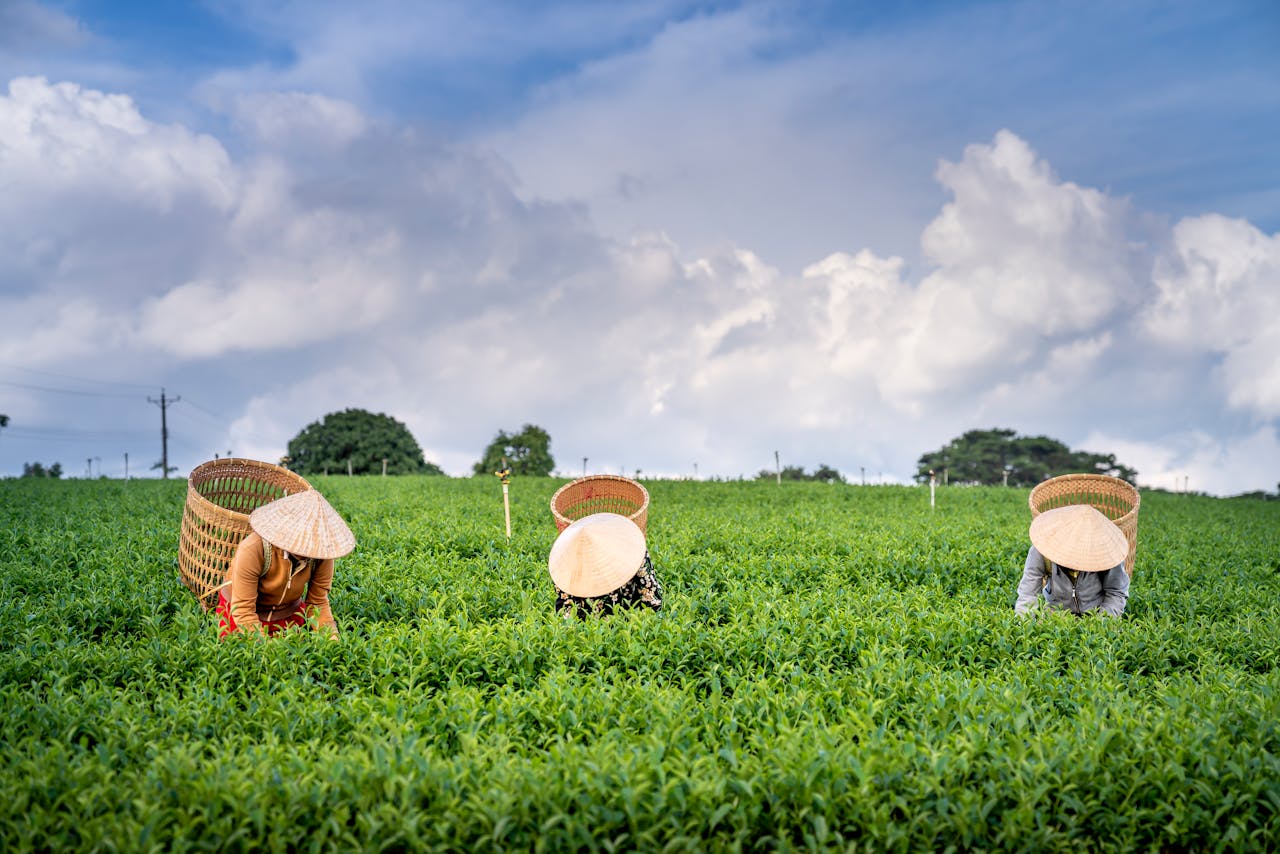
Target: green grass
[[835, 667]]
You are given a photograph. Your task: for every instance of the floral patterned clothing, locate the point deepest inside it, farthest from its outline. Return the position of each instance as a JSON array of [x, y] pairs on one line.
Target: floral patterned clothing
[[643, 589]]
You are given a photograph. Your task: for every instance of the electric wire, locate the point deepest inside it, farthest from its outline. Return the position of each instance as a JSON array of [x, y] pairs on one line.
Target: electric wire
[[32, 387]]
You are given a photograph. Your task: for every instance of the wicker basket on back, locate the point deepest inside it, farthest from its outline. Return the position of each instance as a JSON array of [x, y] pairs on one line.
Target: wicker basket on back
[[220, 496], [600, 493], [1117, 499]]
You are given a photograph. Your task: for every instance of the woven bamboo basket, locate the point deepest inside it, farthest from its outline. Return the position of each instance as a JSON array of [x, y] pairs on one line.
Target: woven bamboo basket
[[600, 493], [1117, 499], [220, 496]]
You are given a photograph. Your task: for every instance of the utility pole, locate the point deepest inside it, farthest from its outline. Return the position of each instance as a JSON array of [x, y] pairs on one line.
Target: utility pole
[[126, 465], [584, 466], [863, 469], [164, 403], [777, 461]]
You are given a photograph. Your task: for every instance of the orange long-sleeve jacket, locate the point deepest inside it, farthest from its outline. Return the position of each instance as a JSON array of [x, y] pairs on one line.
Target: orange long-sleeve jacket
[[259, 592]]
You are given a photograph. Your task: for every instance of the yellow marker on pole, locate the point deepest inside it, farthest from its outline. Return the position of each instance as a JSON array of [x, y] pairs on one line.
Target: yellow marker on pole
[[505, 477]]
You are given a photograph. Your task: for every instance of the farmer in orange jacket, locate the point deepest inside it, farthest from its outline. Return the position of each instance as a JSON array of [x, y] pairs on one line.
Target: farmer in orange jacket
[[281, 572]]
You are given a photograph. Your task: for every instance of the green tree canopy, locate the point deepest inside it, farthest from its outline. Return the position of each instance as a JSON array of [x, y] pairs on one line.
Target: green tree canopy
[[361, 437], [984, 456], [527, 452]]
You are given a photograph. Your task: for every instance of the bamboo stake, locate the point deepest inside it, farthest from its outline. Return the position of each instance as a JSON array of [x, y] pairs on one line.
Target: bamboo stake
[[505, 477]]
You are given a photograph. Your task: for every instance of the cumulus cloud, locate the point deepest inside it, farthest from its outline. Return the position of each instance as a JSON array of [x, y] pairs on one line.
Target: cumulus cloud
[[63, 141], [1218, 291], [339, 261]]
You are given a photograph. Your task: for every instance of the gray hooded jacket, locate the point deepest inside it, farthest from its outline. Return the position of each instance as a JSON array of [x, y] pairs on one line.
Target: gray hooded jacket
[[1105, 592]]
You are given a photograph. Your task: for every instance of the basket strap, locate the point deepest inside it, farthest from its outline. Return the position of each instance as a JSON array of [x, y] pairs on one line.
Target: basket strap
[[266, 558], [1048, 571]]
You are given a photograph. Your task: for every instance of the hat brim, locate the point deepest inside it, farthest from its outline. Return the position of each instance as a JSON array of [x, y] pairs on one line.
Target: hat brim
[[596, 555], [1079, 537], [303, 524]]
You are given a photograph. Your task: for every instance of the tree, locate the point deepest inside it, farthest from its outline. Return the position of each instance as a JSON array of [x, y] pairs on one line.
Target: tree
[[527, 453], [1002, 457], [823, 473], [361, 438], [38, 470], [827, 474]]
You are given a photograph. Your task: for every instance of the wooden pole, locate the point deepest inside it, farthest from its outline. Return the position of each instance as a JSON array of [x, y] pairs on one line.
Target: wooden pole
[[505, 477], [777, 461], [932, 484], [348, 467], [506, 507], [384, 466]]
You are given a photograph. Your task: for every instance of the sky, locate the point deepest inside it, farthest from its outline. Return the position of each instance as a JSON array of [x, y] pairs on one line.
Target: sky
[[679, 236]]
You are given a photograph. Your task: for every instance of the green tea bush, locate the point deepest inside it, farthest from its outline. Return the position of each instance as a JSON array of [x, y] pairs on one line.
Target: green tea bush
[[835, 667]]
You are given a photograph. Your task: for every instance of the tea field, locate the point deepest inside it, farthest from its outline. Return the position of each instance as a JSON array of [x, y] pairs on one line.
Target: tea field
[[836, 667]]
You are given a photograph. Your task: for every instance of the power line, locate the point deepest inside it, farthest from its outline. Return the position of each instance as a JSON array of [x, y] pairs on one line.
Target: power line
[[66, 390], [191, 402], [55, 433], [75, 379]]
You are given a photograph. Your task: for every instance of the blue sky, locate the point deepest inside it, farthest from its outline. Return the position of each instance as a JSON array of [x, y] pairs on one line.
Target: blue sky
[[845, 231]]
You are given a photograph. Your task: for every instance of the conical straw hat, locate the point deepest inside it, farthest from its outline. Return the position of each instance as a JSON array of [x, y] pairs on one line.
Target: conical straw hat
[[303, 524], [596, 555], [1079, 537]]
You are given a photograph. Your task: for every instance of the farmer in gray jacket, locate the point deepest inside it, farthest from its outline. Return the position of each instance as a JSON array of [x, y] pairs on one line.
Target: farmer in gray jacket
[[1075, 563]]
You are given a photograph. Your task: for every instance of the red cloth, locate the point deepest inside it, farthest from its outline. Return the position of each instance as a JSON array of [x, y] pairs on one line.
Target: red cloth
[[227, 624]]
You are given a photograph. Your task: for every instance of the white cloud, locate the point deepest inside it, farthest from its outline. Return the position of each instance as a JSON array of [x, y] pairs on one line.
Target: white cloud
[[63, 142], [337, 261], [298, 120], [1197, 461], [1219, 292]]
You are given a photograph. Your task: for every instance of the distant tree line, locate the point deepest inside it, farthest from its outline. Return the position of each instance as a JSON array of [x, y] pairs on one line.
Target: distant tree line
[[823, 473], [1003, 457], [363, 440], [38, 470]]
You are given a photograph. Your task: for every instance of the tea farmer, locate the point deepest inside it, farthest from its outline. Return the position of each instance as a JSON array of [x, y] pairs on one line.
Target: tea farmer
[[281, 572], [600, 563], [1075, 563]]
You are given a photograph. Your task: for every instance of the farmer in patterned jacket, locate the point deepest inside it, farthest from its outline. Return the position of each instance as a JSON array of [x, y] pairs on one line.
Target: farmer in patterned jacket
[[600, 563]]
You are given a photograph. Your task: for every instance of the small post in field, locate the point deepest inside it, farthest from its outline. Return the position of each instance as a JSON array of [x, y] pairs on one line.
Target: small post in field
[[777, 462], [932, 484], [384, 466], [505, 477]]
